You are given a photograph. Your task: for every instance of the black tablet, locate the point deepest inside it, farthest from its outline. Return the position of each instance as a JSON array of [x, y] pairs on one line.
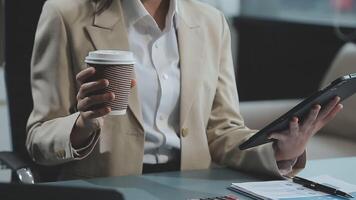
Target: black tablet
[[343, 87]]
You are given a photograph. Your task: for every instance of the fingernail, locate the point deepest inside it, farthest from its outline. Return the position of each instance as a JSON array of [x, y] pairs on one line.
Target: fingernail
[[93, 69], [133, 83]]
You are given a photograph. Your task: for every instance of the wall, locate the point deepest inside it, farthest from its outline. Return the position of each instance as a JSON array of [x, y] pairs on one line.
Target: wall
[[1, 33], [4, 123], [230, 8], [5, 140]]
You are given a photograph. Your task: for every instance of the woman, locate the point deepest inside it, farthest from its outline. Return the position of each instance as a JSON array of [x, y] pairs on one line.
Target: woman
[[183, 112]]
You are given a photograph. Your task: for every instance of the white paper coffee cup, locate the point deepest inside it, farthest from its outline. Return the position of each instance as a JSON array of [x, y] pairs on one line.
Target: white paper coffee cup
[[117, 68]]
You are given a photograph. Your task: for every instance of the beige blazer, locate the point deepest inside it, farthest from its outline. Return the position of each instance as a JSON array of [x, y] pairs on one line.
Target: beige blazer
[[210, 123]]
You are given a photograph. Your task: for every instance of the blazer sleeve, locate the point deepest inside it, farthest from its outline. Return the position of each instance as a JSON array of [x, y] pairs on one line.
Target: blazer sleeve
[[226, 128], [54, 93]]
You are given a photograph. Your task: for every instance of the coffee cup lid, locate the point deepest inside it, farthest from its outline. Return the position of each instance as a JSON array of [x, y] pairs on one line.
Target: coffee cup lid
[[110, 57]]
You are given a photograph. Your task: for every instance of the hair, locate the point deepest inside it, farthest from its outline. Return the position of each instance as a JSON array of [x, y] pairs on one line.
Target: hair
[[102, 5]]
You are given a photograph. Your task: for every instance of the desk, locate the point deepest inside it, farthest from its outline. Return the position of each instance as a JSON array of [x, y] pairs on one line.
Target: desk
[[205, 183]]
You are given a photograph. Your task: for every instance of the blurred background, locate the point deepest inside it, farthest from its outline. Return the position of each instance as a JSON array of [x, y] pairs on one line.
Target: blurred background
[[281, 49]]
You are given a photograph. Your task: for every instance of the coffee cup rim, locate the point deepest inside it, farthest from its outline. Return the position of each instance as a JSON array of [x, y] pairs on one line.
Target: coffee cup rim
[[109, 62], [112, 57]]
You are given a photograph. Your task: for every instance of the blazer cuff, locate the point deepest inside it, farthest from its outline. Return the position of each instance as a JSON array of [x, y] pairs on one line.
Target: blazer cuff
[[261, 160], [62, 145], [274, 168], [298, 166], [85, 151], [286, 166]]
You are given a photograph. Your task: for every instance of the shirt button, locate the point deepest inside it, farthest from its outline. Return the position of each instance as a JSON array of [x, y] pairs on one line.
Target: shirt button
[[161, 117], [156, 45], [184, 132], [165, 76]]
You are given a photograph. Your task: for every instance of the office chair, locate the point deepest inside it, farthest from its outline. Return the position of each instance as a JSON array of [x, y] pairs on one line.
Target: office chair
[[21, 19]]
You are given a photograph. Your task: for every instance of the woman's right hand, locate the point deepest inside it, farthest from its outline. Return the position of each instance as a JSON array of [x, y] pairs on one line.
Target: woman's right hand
[[90, 106]]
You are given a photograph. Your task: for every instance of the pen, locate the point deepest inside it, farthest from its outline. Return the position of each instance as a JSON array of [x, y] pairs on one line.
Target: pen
[[320, 187]]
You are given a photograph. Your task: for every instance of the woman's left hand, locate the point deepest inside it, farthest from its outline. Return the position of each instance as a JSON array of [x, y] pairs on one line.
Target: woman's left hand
[[292, 142]]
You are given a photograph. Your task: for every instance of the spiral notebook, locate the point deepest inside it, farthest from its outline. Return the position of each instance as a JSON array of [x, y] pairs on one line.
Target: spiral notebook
[[287, 190]]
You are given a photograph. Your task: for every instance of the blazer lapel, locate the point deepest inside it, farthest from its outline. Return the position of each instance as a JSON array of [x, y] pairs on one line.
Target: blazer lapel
[[191, 59], [109, 32]]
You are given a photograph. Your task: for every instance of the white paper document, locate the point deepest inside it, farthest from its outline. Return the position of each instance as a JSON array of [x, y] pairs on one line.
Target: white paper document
[[286, 189]]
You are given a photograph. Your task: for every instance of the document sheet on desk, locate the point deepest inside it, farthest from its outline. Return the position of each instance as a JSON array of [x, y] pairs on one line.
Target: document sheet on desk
[[287, 190]]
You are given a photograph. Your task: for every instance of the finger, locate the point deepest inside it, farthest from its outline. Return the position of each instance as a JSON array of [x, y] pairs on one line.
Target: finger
[[278, 136], [332, 113], [86, 103], [133, 83], [93, 114], [328, 108], [294, 126], [90, 87], [309, 121], [83, 75]]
